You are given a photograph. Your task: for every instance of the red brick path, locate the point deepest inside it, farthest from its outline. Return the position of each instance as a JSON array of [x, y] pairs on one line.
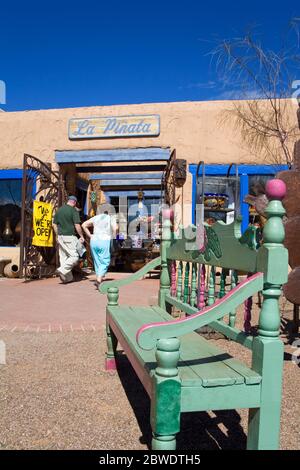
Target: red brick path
[[48, 305]]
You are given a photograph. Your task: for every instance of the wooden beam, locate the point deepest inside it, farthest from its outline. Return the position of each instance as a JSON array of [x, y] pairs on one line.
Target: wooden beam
[[130, 176], [119, 168], [137, 182], [113, 155], [132, 192]]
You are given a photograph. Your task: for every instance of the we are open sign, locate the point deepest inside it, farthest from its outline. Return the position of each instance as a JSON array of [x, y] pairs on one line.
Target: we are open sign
[[42, 224], [114, 126]]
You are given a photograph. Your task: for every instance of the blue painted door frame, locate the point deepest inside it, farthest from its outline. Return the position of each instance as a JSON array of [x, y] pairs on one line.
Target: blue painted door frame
[[244, 172], [15, 174]]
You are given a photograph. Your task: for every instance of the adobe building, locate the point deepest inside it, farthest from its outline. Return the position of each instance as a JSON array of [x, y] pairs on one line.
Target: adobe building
[[123, 151]]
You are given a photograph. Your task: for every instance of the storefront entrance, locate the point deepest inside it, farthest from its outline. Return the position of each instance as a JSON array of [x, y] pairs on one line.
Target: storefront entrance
[[40, 184], [127, 182]]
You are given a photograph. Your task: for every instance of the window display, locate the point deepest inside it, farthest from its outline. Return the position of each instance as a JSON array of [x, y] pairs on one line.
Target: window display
[[10, 211]]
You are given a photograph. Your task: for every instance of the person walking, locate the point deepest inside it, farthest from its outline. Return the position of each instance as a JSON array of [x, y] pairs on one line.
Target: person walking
[[104, 228], [66, 224]]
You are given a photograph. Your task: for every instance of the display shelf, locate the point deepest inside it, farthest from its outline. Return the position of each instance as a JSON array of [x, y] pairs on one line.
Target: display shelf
[[208, 209]]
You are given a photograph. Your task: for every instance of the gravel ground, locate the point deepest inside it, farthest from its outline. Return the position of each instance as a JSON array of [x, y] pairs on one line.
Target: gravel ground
[[55, 395]]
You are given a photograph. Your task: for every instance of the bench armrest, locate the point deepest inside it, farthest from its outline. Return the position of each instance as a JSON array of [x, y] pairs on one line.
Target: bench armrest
[[149, 334], [133, 277]]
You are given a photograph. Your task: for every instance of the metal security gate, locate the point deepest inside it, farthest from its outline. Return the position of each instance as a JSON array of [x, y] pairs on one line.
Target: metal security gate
[[168, 189], [42, 184]]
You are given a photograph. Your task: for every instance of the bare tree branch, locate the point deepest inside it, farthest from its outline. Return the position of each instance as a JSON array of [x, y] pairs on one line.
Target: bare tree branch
[[266, 77]]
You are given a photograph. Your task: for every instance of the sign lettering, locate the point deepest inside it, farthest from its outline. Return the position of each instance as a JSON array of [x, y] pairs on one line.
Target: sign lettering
[[42, 224], [108, 127]]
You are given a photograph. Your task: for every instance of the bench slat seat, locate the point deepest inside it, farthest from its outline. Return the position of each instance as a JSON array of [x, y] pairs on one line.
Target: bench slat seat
[[201, 363]]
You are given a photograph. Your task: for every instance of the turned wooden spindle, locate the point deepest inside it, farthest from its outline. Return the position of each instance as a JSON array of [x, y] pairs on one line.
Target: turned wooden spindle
[[186, 283], [173, 278], [193, 297], [222, 283], [268, 351], [233, 284], [273, 237], [165, 281], [179, 281], [111, 340], [201, 295], [211, 286]]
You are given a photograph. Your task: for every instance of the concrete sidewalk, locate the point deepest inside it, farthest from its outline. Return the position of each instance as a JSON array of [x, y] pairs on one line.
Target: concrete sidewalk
[[48, 305]]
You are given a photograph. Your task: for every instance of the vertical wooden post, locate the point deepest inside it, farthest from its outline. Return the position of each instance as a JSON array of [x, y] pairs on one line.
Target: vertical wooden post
[[173, 278], [267, 359], [186, 283], [234, 281], [166, 399], [201, 295], [211, 286], [222, 283], [193, 297], [179, 281], [111, 340], [165, 274]]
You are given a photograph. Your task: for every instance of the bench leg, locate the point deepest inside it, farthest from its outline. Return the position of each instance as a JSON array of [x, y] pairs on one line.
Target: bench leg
[[163, 442], [165, 414], [264, 422], [166, 396], [112, 342]]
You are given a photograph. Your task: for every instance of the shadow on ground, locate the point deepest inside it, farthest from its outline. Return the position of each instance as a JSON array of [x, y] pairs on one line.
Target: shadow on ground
[[220, 430]]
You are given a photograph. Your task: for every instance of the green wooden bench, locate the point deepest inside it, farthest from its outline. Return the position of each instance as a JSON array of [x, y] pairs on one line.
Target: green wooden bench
[[180, 369]]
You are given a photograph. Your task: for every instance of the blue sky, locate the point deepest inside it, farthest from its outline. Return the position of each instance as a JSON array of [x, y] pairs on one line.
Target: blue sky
[[84, 53]]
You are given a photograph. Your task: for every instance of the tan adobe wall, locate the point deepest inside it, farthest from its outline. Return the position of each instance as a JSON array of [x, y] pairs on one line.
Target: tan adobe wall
[[193, 128]]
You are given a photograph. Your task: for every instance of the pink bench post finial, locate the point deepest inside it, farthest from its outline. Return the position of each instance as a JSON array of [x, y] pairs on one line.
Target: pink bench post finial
[[274, 229], [276, 189]]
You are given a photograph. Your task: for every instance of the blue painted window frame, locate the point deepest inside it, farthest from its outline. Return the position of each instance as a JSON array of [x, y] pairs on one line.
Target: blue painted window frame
[[244, 172], [13, 174]]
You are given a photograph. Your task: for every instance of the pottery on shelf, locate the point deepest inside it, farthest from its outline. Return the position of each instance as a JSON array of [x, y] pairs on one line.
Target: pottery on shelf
[[7, 234]]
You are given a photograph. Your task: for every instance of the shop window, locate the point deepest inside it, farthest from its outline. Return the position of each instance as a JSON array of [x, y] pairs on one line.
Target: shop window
[[221, 198], [10, 211], [257, 188], [251, 180], [257, 184]]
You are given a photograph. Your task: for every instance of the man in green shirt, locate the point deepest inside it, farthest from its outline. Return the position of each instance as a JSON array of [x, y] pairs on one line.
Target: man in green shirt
[[66, 224]]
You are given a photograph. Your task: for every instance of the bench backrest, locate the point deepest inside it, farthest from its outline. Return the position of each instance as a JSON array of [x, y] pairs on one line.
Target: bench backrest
[[190, 269]]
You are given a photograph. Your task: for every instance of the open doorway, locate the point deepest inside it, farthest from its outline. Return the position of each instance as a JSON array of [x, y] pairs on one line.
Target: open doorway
[[130, 183]]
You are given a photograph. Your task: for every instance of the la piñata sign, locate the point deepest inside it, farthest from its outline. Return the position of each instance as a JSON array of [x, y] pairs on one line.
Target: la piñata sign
[[114, 126]]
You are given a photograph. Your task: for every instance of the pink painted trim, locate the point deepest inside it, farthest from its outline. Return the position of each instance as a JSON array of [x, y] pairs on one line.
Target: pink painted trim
[[139, 369], [110, 364], [201, 238], [202, 312]]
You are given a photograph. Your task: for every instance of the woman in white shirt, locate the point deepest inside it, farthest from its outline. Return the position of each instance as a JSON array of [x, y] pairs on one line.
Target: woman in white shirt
[[104, 227]]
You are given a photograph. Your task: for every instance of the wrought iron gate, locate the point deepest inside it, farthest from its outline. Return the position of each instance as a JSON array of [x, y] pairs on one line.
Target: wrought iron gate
[[167, 183], [43, 184]]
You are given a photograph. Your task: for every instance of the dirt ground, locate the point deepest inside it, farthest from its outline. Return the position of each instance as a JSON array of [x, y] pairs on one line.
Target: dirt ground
[[55, 394]]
